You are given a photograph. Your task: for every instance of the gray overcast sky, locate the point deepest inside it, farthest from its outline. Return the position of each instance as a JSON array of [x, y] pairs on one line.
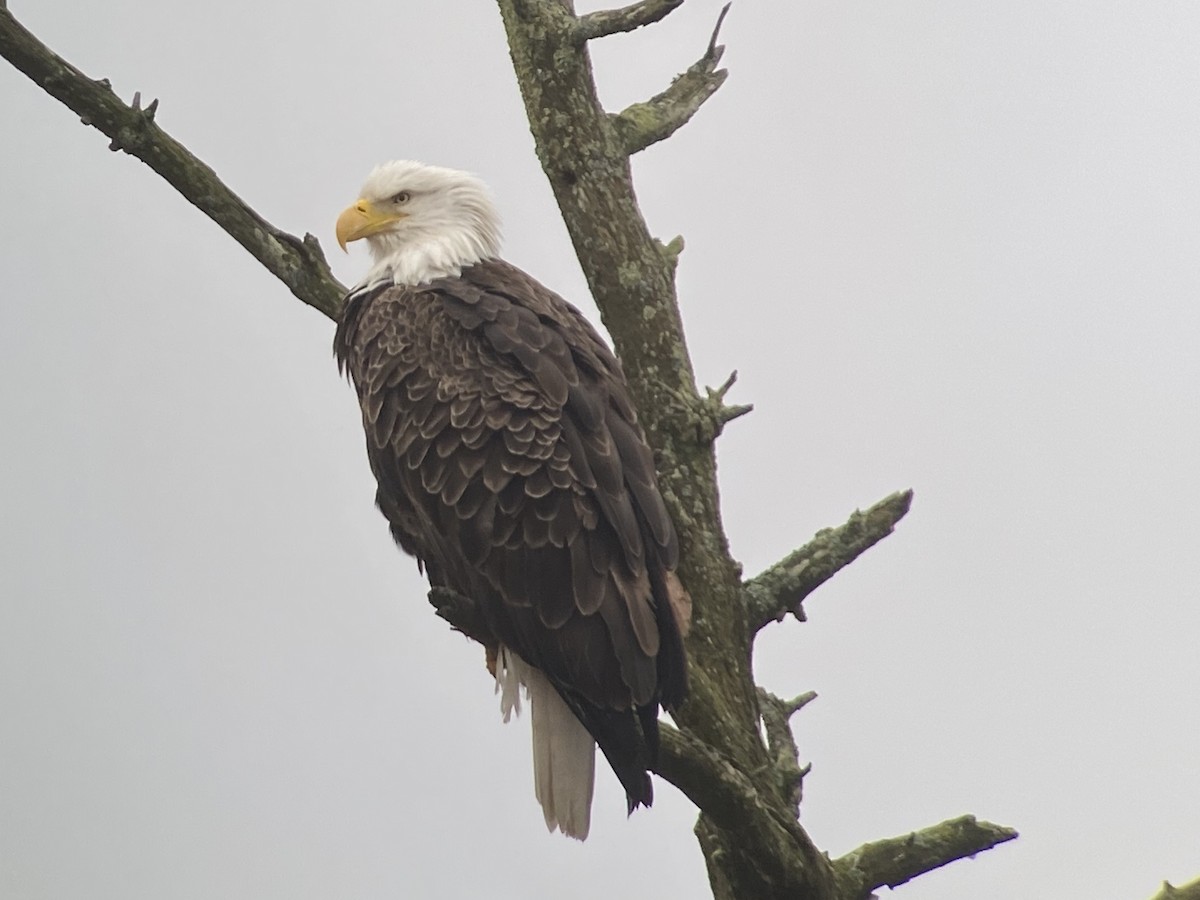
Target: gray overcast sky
[[948, 246]]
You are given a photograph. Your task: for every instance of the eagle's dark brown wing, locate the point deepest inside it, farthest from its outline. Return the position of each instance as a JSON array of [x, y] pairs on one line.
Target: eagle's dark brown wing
[[510, 462]]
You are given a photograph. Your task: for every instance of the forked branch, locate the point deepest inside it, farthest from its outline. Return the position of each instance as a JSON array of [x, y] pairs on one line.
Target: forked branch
[[781, 742], [642, 124]]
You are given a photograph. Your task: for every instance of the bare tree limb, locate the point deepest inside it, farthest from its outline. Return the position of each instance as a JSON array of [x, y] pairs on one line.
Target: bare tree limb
[[604, 22], [781, 589], [1189, 891], [708, 779], [299, 264], [730, 804], [642, 124], [781, 743], [893, 861]]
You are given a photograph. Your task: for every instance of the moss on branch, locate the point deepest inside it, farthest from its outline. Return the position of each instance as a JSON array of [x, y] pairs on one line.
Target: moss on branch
[[604, 22], [642, 124], [894, 861], [1189, 891], [781, 589], [781, 742]]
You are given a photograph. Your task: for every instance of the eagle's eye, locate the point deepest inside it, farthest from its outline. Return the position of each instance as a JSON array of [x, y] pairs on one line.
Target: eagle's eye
[[402, 197]]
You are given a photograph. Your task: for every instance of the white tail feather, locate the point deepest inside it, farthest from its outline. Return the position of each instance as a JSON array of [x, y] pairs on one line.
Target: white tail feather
[[564, 754]]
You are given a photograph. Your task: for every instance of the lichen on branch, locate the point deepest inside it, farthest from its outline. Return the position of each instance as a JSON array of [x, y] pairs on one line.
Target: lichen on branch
[[604, 22], [894, 861], [642, 124], [781, 742], [781, 588], [1189, 891]]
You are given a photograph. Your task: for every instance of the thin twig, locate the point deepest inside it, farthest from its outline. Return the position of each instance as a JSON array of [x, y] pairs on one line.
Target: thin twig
[[781, 742], [714, 50]]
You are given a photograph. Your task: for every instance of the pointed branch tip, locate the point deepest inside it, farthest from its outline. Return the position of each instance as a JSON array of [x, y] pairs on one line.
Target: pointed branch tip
[[640, 125], [782, 588], [894, 861], [781, 744], [716, 410], [729, 413], [671, 249], [798, 703], [729, 382], [715, 51], [605, 22], [1189, 891]]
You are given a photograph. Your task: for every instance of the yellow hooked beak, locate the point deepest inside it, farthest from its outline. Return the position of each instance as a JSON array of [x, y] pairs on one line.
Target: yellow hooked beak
[[361, 220]]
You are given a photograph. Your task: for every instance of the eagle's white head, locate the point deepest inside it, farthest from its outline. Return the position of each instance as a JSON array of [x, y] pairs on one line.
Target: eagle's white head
[[421, 222]]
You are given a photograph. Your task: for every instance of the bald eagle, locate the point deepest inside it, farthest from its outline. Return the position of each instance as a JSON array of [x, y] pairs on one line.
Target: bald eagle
[[510, 463]]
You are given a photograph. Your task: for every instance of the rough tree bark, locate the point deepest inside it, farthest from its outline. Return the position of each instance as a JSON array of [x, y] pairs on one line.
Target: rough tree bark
[[1189, 891], [747, 787]]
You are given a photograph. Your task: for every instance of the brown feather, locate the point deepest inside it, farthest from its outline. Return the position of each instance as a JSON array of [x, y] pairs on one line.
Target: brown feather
[[510, 463]]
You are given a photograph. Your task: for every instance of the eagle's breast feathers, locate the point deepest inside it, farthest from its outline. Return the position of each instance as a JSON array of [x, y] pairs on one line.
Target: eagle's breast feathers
[[510, 462]]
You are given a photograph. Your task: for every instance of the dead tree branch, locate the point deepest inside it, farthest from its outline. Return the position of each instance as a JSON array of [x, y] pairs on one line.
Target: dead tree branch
[[298, 263], [781, 589], [781, 742], [1189, 891], [642, 124], [731, 804], [604, 22], [721, 414], [893, 861]]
